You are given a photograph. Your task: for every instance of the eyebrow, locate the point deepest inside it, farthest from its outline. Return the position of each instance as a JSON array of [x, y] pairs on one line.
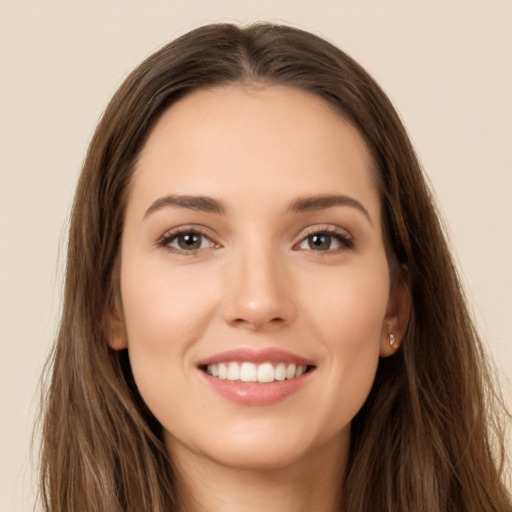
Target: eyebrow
[[315, 203], [300, 205], [199, 203]]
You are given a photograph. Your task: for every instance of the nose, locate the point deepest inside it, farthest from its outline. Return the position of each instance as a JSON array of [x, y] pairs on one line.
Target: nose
[[258, 292]]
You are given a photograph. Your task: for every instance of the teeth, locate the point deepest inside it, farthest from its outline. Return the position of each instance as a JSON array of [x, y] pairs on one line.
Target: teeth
[[265, 372], [233, 372], [300, 371], [280, 372], [290, 371], [223, 371], [250, 372]]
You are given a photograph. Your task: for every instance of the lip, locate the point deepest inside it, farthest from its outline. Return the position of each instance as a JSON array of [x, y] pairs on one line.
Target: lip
[[255, 393], [269, 355]]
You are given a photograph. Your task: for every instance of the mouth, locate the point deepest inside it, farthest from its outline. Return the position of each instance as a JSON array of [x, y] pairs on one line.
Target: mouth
[[256, 377], [250, 372]]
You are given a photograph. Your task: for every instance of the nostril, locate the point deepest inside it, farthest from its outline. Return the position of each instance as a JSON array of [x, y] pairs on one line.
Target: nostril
[[248, 312], [244, 321]]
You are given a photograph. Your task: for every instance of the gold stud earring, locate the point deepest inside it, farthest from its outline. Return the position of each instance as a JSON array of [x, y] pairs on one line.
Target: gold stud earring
[[392, 340]]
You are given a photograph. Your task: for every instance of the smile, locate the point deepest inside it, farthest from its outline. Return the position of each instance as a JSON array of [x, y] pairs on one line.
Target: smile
[[256, 377], [251, 372]]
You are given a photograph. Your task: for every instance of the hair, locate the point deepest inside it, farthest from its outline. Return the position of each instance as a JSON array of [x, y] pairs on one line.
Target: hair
[[428, 437]]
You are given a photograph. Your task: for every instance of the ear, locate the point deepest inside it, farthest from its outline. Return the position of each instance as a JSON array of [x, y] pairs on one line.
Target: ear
[[117, 338], [397, 314]]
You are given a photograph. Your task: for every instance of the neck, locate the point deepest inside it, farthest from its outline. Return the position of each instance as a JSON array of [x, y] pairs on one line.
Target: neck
[[311, 483]]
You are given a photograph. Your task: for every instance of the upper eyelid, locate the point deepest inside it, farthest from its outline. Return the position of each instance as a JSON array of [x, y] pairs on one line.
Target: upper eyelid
[[323, 228], [188, 228]]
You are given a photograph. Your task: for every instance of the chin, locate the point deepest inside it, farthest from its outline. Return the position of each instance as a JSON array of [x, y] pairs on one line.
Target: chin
[[254, 457], [271, 447]]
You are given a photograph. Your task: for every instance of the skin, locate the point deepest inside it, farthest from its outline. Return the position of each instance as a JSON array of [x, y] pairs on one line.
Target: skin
[[256, 281]]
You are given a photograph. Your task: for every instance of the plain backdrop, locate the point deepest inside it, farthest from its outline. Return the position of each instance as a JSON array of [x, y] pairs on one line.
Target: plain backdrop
[[447, 66]]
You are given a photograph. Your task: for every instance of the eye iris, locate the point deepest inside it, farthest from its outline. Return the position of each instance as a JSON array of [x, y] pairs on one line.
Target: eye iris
[[319, 242], [189, 241]]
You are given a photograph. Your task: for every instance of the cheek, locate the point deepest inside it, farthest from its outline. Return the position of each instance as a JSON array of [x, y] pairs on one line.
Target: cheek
[[349, 306], [165, 314], [348, 317], [163, 310]]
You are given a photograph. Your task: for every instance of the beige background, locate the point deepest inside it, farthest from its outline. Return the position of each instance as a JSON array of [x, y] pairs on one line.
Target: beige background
[[447, 65]]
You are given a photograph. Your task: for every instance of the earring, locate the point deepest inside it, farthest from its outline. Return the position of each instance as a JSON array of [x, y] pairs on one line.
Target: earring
[[392, 341]]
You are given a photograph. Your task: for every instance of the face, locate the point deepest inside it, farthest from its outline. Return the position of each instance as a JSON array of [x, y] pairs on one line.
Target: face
[[256, 294]]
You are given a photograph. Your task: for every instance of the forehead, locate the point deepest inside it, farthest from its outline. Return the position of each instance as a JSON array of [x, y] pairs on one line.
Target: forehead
[[266, 141]]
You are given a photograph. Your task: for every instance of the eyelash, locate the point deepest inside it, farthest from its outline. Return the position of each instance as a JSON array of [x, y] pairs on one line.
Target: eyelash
[[345, 241]]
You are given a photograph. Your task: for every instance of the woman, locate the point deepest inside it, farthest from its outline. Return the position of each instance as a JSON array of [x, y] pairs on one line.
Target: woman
[[260, 306]]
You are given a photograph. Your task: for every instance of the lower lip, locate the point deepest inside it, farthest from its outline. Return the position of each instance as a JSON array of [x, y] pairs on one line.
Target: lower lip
[[254, 393]]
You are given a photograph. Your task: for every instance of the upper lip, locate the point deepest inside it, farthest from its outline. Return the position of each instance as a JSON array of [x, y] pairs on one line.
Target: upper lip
[[267, 355]]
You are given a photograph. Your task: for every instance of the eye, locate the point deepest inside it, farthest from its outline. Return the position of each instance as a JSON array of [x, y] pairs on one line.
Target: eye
[[186, 241], [323, 241]]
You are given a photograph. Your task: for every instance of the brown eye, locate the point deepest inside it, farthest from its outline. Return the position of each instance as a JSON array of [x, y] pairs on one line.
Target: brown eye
[[186, 241], [319, 242], [189, 241], [326, 241]]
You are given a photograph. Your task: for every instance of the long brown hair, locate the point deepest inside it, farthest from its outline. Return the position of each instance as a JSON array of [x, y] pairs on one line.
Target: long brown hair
[[427, 437]]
